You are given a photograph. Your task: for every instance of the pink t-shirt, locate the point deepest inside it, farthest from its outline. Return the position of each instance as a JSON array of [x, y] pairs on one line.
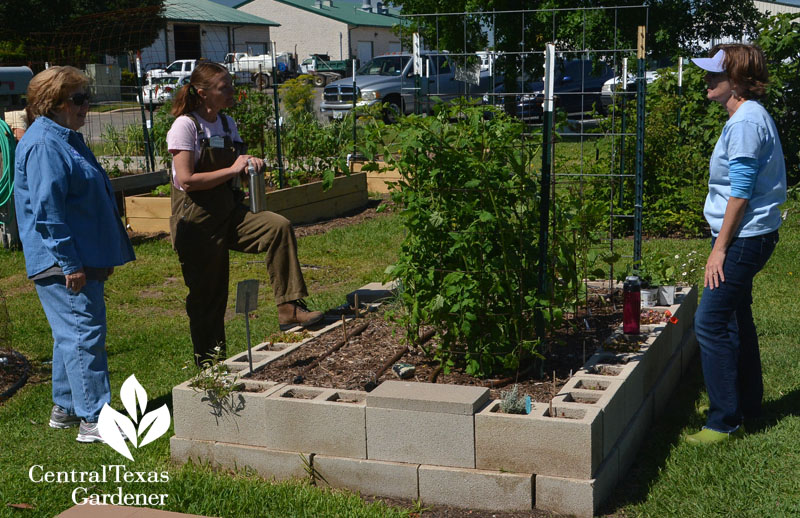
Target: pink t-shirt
[[182, 136]]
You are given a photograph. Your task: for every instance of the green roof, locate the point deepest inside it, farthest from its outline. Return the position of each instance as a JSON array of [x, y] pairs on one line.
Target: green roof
[[343, 11], [206, 11]]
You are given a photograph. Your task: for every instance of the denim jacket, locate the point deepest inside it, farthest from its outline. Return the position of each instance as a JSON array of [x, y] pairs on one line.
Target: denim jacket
[[66, 212]]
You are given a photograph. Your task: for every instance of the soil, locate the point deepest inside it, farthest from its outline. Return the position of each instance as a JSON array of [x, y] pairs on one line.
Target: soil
[[358, 363]]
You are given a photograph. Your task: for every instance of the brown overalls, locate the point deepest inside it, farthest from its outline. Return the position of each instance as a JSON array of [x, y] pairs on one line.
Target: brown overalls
[[205, 225]]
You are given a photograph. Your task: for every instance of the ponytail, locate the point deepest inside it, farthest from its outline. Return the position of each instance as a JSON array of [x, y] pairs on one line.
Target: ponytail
[[188, 99]]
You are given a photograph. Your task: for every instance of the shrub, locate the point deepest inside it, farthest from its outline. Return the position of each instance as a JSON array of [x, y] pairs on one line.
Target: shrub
[[779, 37], [468, 264]]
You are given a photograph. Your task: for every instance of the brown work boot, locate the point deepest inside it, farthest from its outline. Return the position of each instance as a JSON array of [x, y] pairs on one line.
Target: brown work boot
[[293, 314]]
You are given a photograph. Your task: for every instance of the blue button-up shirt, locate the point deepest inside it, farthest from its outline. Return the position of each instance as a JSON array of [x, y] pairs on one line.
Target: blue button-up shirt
[[66, 212]]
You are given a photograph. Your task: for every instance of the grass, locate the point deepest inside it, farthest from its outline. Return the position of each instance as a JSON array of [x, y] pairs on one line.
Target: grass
[[757, 476]]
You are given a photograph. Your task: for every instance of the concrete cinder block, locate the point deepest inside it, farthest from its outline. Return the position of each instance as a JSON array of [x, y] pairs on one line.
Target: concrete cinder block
[[371, 477], [475, 489], [373, 292], [684, 309], [270, 464], [240, 420], [688, 350], [421, 437], [428, 397], [634, 434], [324, 424], [665, 386], [608, 396], [631, 374], [568, 446], [183, 450], [578, 497], [656, 353]]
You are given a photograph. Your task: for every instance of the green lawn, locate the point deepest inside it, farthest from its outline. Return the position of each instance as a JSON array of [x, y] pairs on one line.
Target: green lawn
[[148, 336]]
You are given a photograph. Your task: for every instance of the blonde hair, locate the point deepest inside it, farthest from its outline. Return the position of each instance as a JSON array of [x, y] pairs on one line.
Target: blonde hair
[[48, 90]]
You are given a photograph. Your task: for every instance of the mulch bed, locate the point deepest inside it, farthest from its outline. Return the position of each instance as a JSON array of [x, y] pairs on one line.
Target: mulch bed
[[14, 370], [356, 365]]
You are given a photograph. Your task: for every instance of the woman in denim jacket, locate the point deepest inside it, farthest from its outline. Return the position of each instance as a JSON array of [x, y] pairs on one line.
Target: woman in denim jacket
[[747, 185], [72, 237]]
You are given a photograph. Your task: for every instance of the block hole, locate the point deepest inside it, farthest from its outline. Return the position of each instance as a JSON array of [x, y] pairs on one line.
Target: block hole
[[592, 384], [298, 393], [605, 370], [579, 397], [566, 413], [347, 398]]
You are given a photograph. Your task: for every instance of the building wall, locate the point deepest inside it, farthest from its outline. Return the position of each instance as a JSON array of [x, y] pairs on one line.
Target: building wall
[[773, 8], [383, 39], [309, 33], [214, 43], [155, 56], [254, 40], [302, 30]]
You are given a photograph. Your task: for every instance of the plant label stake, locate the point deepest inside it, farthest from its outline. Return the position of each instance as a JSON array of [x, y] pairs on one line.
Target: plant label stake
[[247, 301]]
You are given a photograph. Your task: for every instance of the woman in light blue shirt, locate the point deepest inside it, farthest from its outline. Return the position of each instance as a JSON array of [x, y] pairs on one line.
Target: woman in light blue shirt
[[72, 237], [746, 186]]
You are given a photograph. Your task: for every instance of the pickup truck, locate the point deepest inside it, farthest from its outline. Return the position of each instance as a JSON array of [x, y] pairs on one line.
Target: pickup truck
[[390, 79], [177, 69]]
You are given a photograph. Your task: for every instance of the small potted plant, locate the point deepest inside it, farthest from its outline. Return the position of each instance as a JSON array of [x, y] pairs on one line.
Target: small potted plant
[[658, 273]]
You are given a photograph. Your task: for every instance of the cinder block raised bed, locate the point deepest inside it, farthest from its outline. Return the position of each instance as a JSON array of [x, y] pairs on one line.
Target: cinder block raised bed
[[448, 444], [302, 204]]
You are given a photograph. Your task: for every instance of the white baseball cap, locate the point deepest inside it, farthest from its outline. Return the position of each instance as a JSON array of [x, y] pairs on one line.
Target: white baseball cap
[[715, 64]]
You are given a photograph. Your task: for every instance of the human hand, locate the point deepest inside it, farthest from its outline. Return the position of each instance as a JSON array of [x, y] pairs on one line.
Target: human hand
[[76, 281], [239, 166], [714, 275]]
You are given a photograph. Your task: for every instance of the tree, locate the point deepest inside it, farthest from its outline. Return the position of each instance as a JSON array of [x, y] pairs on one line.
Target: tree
[[76, 31], [675, 26]]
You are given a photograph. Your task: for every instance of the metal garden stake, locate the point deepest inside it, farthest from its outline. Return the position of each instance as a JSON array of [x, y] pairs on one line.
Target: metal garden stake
[[247, 301]]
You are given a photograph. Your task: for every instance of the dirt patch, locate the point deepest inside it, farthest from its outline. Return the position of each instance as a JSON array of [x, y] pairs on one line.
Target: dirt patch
[[13, 369], [357, 364]]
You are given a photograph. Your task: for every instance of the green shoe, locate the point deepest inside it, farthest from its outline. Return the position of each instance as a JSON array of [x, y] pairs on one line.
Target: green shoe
[[706, 436]]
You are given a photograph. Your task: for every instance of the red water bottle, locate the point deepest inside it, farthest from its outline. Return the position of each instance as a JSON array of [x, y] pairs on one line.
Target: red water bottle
[[631, 304]]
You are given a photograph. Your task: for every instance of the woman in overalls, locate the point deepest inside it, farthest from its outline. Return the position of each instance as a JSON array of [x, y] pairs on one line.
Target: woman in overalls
[[208, 218]]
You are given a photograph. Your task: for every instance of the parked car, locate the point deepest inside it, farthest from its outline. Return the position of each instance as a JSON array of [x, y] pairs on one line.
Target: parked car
[[163, 89], [610, 86], [390, 79], [577, 87]]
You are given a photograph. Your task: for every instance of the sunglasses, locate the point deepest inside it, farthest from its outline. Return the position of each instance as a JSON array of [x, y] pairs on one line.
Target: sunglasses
[[80, 99]]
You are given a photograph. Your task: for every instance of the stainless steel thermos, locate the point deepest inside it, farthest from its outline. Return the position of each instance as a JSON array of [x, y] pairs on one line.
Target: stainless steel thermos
[[258, 189]]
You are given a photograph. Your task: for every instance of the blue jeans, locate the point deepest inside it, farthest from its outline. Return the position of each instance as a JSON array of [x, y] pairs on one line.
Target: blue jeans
[[80, 363], [727, 336]]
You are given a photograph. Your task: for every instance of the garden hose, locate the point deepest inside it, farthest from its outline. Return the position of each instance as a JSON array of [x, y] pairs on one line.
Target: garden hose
[[7, 145]]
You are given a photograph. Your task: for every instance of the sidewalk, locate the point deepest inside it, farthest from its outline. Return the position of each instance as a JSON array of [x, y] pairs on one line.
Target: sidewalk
[[115, 511]]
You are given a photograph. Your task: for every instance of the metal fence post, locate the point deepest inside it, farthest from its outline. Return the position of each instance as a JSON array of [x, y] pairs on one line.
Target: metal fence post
[[547, 164], [279, 151], [150, 165], [640, 106]]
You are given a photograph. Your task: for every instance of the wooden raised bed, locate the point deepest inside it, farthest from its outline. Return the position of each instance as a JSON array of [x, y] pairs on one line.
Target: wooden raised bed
[[377, 181], [301, 204]]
